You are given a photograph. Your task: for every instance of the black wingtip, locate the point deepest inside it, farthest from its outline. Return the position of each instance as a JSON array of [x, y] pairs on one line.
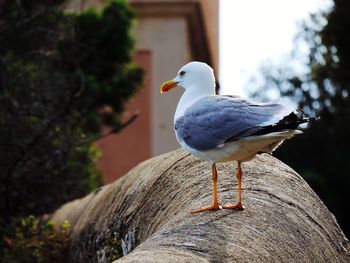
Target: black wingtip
[[310, 119], [291, 121]]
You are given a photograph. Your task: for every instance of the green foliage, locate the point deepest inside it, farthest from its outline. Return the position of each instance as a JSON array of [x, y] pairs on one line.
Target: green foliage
[[58, 73], [35, 241], [111, 249], [321, 153]]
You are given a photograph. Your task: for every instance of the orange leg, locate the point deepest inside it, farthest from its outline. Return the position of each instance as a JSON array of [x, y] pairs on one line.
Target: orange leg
[[238, 205], [216, 204]]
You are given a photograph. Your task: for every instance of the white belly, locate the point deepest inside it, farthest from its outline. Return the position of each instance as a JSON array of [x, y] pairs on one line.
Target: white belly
[[244, 149]]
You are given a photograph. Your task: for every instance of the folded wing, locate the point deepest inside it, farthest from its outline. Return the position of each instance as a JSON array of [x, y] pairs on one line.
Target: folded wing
[[214, 120]]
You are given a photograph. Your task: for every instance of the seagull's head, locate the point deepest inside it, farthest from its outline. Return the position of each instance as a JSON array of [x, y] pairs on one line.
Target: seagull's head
[[194, 75]]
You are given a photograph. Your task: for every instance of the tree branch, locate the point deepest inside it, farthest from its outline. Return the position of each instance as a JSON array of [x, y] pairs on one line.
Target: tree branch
[[114, 130]]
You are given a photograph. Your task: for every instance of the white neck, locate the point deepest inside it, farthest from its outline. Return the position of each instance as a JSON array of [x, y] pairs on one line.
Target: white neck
[[190, 96]]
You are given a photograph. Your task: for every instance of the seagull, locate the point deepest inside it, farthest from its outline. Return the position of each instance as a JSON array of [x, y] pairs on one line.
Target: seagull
[[225, 128]]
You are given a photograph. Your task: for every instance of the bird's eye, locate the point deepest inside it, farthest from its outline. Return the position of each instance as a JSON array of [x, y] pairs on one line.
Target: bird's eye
[[182, 73]]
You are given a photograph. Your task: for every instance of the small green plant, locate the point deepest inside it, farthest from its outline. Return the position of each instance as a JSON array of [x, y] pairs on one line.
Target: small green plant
[[34, 241], [110, 247]]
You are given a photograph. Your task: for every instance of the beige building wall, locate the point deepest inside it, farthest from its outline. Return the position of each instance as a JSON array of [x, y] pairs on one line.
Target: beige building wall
[[167, 39], [209, 10], [170, 29]]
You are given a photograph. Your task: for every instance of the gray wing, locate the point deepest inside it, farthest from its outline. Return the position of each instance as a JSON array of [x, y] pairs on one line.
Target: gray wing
[[214, 120]]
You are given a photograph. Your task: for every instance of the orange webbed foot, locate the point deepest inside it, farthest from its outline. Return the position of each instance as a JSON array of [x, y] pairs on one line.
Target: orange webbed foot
[[207, 208], [237, 206]]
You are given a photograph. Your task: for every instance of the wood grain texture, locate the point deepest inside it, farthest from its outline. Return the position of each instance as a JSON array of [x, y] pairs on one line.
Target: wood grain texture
[[284, 220]]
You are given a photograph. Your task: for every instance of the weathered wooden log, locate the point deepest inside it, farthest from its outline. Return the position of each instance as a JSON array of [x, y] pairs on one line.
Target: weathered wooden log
[[284, 220]]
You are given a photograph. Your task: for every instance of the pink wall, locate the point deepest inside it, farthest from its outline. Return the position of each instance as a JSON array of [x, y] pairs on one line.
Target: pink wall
[[122, 151]]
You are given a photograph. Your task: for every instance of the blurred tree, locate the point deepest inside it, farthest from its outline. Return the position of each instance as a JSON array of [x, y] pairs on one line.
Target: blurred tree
[[62, 76], [321, 155]]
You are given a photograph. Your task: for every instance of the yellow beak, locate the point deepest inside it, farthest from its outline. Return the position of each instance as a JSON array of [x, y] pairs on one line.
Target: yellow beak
[[168, 85]]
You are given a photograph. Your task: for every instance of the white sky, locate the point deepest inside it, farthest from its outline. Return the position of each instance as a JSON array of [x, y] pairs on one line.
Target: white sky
[[252, 31]]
